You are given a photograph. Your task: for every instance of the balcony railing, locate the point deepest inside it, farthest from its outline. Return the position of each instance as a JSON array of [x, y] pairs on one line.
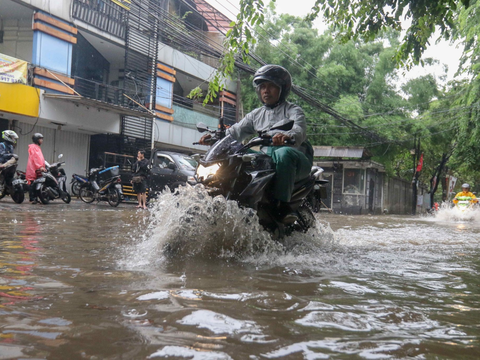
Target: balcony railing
[[103, 15], [108, 94]]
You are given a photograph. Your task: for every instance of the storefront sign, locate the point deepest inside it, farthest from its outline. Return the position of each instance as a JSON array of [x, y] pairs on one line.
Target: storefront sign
[[13, 70]]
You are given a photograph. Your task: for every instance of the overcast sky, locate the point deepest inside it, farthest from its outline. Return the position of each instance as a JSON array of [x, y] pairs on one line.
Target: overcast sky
[[446, 53]]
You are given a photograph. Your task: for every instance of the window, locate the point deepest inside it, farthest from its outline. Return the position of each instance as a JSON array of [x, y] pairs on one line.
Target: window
[[164, 92], [163, 161], [354, 181], [186, 162]]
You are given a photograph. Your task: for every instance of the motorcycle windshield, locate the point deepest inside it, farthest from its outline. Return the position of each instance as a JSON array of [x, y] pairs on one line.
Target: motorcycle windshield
[[223, 149]]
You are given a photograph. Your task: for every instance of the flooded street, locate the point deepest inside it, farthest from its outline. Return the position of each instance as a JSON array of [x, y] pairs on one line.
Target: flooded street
[[92, 282]]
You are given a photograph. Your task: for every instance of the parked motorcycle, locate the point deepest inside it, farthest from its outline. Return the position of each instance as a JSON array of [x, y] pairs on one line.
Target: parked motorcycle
[[76, 182], [231, 169], [52, 184], [10, 184], [107, 189]]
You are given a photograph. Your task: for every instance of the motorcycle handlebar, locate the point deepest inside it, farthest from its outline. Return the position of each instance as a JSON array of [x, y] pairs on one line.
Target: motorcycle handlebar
[[207, 142]]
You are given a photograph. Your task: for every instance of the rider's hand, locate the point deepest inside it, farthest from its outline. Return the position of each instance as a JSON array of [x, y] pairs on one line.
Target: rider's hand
[[204, 138], [42, 169], [279, 139]]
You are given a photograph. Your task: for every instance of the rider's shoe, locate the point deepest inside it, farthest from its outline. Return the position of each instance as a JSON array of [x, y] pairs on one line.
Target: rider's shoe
[[284, 214]]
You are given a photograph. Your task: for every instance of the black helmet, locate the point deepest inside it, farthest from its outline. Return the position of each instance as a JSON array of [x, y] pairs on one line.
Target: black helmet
[[275, 74], [36, 137]]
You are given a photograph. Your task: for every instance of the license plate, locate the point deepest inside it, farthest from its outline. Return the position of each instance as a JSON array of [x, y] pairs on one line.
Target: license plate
[[17, 182]]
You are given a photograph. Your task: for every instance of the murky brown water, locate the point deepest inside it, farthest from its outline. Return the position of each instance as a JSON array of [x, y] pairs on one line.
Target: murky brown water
[[80, 282]]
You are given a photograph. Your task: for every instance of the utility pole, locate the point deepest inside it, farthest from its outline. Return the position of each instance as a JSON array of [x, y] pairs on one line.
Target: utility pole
[[417, 167], [414, 181]]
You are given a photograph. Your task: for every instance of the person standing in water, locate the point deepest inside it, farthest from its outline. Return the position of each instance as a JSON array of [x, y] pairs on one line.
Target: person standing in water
[[140, 172], [35, 165]]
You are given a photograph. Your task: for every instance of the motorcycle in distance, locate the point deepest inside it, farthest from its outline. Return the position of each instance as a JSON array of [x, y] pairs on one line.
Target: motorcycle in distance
[[11, 185], [108, 189], [76, 182], [234, 171], [464, 204], [52, 184]]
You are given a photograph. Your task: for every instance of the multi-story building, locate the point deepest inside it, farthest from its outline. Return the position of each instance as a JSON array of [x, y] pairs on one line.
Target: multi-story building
[[110, 76]]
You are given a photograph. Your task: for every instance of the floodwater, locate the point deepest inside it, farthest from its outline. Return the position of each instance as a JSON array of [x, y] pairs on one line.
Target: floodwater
[[91, 282]]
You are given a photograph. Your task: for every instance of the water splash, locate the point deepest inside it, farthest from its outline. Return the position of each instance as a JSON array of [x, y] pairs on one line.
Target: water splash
[[190, 223], [446, 213]]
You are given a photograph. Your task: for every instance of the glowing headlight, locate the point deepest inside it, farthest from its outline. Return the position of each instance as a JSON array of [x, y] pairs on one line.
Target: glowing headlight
[[206, 172]]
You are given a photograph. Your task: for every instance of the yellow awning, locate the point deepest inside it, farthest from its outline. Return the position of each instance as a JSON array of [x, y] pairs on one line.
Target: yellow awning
[[19, 99]]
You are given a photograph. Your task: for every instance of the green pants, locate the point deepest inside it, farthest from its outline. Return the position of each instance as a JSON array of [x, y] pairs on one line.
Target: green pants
[[291, 166]]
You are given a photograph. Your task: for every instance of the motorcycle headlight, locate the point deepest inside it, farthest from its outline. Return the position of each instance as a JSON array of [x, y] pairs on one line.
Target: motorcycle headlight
[[205, 172]]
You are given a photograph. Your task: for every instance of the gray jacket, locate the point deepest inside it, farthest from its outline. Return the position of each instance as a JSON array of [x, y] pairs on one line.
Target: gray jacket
[[264, 117]]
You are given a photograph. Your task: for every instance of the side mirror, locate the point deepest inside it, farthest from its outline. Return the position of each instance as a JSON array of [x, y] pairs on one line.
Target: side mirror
[[283, 125], [201, 127], [60, 156], [172, 166]]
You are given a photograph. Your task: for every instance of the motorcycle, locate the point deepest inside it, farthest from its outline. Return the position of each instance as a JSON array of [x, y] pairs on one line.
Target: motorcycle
[[234, 171], [108, 189], [319, 192], [464, 204], [76, 182], [52, 184], [11, 185]]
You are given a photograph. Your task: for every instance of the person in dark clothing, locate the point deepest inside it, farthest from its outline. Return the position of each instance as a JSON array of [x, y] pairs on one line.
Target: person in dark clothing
[[7, 146], [140, 172]]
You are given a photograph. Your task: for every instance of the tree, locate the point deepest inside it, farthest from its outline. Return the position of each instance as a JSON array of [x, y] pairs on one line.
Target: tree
[[360, 19]]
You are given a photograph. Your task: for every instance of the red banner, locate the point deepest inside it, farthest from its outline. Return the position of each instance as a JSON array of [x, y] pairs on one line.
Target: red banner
[[420, 164]]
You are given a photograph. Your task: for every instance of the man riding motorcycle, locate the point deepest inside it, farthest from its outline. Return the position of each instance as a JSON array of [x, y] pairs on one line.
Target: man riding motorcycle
[[36, 164], [7, 146], [272, 84], [465, 194]]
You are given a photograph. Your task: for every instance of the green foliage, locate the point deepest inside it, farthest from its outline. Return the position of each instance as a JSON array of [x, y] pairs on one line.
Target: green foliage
[[357, 79], [367, 19]]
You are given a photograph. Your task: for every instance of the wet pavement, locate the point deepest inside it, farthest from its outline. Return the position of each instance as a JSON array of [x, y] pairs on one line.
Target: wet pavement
[[84, 281]]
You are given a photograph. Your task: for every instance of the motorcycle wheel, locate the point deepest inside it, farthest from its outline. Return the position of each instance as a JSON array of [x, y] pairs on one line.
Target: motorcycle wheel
[[66, 198], [86, 194], [113, 198], [18, 196], [43, 195], [75, 188]]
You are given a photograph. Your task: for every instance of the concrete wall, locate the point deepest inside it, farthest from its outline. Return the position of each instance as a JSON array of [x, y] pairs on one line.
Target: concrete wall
[[397, 197], [17, 38], [59, 8], [79, 117], [170, 135], [74, 147]]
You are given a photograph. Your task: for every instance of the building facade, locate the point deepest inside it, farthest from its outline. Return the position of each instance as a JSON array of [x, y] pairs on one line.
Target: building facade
[[110, 76], [358, 185]]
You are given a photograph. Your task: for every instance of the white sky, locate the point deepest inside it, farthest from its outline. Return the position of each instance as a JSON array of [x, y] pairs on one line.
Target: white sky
[[444, 52]]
